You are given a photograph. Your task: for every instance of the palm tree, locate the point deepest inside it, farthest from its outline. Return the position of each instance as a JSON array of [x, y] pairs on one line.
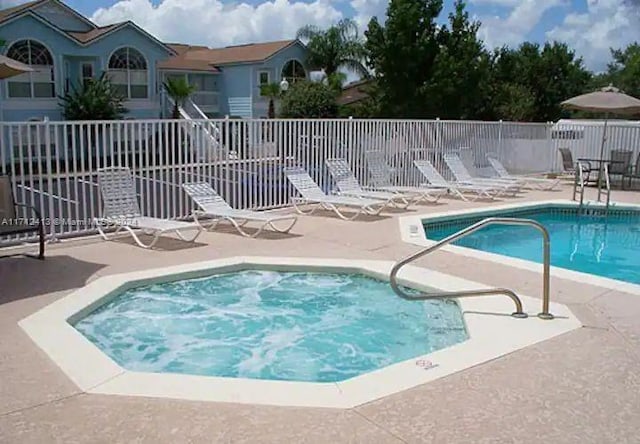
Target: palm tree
[[339, 46], [179, 90], [335, 81], [272, 91]]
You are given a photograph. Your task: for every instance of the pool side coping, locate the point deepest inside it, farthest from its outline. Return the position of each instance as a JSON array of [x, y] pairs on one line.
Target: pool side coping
[[492, 333], [412, 232]]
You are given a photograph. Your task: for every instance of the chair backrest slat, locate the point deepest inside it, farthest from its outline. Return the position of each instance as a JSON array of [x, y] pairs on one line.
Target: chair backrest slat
[[379, 169], [623, 156], [457, 167], [498, 167], [7, 203], [342, 175], [303, 183], [431, 173], [205, 196], [567, 159], [118, 192]]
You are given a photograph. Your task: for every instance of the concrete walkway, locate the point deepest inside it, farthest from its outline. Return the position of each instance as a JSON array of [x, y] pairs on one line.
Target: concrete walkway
[[582, 387]]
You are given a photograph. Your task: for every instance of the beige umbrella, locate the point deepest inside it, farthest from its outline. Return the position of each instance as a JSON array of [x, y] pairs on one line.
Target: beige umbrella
[[608, 100], [10, 67]]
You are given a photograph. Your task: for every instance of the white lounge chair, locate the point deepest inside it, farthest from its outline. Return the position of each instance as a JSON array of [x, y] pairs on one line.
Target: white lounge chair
[[381, 173], [348, 185], [432, 175], [213, 206], [529, 182], [121, 210], [462, 175], [313, 195]]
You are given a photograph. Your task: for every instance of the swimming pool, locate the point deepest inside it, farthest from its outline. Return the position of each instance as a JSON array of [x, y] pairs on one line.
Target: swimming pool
[[278, 325], [595, 242]]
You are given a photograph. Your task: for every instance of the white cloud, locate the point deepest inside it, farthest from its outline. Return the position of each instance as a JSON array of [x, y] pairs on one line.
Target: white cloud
[[606, 24], [366, 9], [214, 23], [508, 3], [513, 29]]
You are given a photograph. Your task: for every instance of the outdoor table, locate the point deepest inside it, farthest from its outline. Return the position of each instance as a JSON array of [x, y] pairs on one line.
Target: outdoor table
[[599, 162]]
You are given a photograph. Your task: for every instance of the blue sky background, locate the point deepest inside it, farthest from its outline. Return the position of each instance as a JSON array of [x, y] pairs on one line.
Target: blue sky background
[[591, 27], [551, 18]]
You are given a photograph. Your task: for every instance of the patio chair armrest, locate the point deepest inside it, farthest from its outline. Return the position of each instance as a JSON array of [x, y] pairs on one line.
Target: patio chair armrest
[[585, 163]]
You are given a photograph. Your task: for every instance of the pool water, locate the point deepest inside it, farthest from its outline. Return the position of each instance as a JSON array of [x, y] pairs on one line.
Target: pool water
[[295, 326], [606, 246]]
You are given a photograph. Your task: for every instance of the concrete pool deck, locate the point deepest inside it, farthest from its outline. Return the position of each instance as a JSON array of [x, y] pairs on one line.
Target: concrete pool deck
[[583, 386]]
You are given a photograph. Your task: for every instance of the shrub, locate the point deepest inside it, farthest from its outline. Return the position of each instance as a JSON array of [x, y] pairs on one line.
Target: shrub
[[96, 100], [309, 100]]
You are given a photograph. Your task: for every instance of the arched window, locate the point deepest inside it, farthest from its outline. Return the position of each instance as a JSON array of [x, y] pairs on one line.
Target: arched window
[[128, 73], [293, 71], [38, 83]]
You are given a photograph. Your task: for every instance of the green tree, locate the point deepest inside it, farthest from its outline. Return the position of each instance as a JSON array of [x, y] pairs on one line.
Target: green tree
[[272, 92], [309, 100], [515, 102], [179, 90], [402, 53], [337, 47], [530, 82], [97, 99], [624, 70], [335, 81], [456, 88]]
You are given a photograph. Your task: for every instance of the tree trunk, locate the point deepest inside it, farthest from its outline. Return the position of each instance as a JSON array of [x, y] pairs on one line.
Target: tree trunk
[[176, 111], [271, 113]]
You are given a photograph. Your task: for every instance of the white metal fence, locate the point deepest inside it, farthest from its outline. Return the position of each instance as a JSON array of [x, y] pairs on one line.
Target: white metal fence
[[53, 164]]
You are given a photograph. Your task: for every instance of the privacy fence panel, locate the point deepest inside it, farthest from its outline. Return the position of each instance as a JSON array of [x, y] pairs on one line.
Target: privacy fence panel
[[54, 165]]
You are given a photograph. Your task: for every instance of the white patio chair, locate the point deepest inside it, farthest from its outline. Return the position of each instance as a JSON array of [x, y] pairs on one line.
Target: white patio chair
[[431, 174], [213, 206], [528, 182], [462, 175], [313, 195], [348, 185], [121, 210], [381, 173]]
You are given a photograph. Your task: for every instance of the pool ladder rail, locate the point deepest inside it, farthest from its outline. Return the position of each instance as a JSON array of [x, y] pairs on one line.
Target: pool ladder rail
[[579, 184], [519, 312]]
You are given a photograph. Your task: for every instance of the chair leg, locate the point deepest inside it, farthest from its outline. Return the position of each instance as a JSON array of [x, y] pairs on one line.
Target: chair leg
[[178, 232], [41, 241]]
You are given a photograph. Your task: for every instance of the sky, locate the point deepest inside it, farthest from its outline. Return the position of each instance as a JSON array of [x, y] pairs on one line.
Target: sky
[[591, 27]]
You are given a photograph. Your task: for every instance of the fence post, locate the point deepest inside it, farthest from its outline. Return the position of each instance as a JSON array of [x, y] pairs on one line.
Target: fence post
[[49, 172], [550, 151], [438, 151], [500, 140], [227, 146], [350, 136]]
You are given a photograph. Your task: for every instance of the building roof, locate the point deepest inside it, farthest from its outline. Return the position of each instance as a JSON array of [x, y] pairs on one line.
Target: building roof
[[354, 92], [86, 37], [252, 52], [8, 12], [202, 58], [188, 58], [83, 38]]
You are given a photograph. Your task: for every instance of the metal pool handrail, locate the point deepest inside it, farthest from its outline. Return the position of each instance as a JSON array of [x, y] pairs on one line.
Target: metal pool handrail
[[519, 313]]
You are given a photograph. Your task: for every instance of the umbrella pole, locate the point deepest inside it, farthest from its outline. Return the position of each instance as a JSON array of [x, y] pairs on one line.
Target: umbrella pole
[[604, 140]]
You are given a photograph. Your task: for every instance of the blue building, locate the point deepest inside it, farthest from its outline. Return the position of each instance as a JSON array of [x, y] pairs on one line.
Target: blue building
[[66, 49]]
